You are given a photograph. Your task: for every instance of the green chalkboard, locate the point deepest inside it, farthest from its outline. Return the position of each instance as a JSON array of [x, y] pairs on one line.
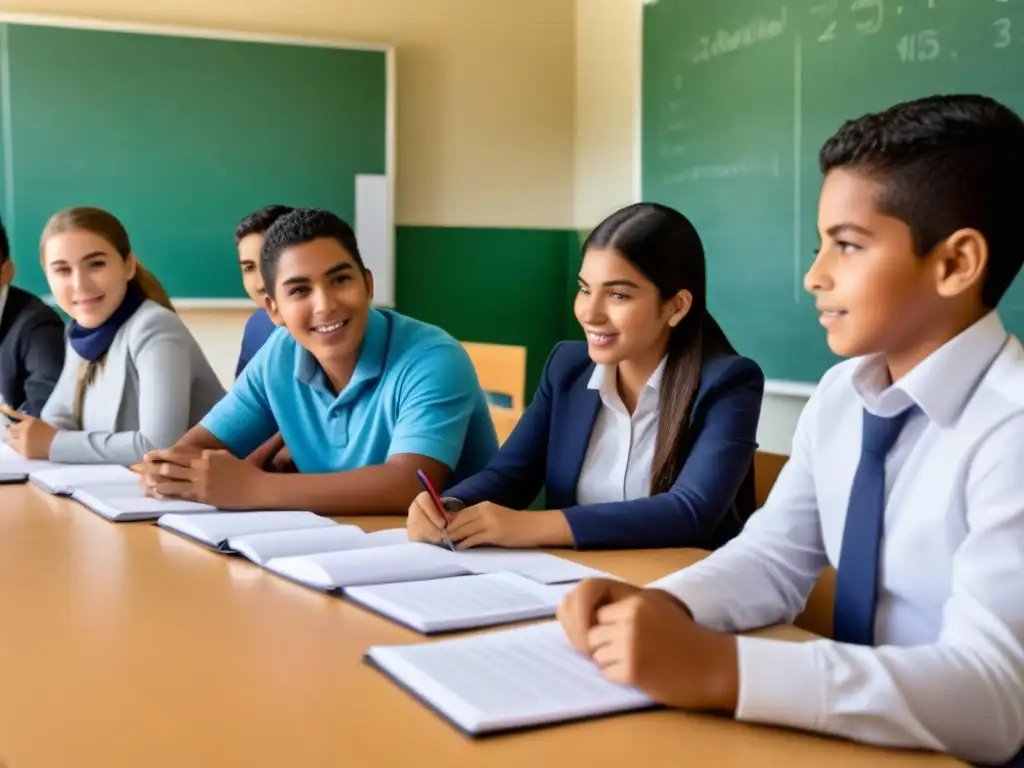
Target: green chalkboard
[[739, 95], [180, 137]]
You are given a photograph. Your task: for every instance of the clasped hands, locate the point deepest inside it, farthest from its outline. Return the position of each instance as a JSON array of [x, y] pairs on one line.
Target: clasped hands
[[213, 477], [647, 638]]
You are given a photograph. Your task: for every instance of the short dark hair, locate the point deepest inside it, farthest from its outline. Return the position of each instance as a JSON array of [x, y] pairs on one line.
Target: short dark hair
[[260, 221], [5, 246], [304, 225], [947, 162]]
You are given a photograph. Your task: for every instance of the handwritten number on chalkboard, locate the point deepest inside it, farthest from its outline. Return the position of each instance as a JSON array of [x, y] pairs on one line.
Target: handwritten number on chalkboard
[[1003, 37], [871, 26], [829, 34]]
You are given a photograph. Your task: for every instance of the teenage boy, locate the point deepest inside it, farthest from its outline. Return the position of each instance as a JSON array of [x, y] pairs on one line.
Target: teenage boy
[[905, 474], [249, 236], [363, 397], [31, 343]]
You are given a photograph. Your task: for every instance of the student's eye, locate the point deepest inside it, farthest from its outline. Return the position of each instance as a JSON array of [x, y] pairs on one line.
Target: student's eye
[[583, 289], [97, 264], [339, 279], [298, 291], [847, 247], [619, 296], [248, 268]]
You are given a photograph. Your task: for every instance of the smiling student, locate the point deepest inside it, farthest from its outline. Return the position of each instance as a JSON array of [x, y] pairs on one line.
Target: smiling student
[[134, 379], [363, 397], [644, 435], [249, 236], [31, 342], [905, 471]]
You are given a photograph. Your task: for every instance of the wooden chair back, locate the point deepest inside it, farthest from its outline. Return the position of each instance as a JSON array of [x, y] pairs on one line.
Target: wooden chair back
[[501, 369]]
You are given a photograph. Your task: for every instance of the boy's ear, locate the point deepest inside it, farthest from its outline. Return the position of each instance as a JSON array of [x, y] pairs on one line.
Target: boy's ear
[[961, 261], [271, 306], [368, 277], [7, 272]]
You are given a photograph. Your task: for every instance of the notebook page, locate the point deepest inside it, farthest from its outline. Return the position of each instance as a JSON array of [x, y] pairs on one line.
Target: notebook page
[[65, 479], [462, 602], [261, 547], [216, 527], [12, 462], [377, 565], [539, 566], [507, 679], [105, 501]]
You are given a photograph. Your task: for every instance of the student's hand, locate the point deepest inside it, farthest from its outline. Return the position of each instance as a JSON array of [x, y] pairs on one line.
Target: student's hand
[[425, 522], [29, 436], [488, 523], [577, 613], [650, 641], [168, 469], [283, 461], [214, 477]]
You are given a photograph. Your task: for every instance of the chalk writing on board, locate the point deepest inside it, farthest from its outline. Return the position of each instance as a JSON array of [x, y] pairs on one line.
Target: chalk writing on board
[[757, 31], [919, 46], [768, 167], [1003, 36], [868, 19]]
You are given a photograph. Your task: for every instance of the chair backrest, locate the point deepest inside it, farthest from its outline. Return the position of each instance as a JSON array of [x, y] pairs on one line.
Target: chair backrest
[[501, 369], [766, 469]]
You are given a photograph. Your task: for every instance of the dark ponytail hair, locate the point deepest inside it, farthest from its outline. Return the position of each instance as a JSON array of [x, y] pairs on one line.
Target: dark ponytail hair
[[663, 244]]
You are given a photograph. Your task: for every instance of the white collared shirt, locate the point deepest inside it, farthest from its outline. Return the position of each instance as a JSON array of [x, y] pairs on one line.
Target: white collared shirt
[[948, 670], [617, 466], [4, 290]]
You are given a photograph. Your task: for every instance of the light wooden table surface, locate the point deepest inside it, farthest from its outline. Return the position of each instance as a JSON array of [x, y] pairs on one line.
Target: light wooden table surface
[[125, 645]]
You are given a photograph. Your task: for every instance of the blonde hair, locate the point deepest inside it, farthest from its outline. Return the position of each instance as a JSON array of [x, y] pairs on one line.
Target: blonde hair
[[105, 225]]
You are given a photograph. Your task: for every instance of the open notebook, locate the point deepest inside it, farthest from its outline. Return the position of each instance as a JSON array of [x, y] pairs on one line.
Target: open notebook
[[63, 480], [127, 502], [263, 547], [416, 561], [463, 602], [215, 529], [506, 680]]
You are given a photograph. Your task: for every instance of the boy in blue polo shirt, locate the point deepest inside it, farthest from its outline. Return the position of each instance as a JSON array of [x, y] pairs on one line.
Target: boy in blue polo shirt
[[363, 397]]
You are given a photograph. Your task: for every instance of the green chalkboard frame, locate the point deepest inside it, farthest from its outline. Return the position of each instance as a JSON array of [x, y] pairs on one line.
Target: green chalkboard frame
[[223, 289]]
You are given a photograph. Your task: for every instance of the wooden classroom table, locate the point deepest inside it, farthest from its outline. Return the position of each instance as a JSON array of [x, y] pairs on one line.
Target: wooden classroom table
[[125, 645]]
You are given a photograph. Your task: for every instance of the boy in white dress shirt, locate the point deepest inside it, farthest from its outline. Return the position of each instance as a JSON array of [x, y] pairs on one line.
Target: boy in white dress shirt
[[906, 473]]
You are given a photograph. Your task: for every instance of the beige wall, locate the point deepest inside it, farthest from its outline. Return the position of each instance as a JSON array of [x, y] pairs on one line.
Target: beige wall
[[485, 95], [607, 79]]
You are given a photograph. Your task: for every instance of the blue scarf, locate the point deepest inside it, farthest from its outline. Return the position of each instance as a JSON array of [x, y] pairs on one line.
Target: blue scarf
[[92, 343]]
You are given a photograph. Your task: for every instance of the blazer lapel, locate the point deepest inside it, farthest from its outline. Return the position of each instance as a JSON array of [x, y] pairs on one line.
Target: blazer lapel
[[584, 404]]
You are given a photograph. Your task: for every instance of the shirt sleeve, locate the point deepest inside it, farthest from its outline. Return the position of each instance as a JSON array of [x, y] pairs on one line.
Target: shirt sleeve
[[959, 694], [436, 399], [243, 419], [43, 358], [765, 575]]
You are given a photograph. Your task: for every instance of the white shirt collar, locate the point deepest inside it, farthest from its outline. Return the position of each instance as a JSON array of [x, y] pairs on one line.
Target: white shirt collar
[[4, 290], [940, 385], [604, 378]]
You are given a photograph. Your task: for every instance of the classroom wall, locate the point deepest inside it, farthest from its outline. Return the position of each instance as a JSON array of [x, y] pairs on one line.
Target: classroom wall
[[485, 140]]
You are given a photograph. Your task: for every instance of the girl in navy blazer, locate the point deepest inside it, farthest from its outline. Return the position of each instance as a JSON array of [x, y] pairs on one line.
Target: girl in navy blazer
[[642, 436]]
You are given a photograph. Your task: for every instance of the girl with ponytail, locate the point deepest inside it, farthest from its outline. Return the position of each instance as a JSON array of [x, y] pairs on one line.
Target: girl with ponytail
[[642, 436], [134, 378]]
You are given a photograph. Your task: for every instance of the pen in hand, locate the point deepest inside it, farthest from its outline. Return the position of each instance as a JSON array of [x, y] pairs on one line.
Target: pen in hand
[[428, 486]]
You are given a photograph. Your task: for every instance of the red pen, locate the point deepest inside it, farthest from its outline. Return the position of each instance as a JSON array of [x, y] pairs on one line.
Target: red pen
[[425, 482]]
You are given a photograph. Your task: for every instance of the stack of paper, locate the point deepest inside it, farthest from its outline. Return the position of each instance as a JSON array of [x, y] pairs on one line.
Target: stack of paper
[[506, 680]]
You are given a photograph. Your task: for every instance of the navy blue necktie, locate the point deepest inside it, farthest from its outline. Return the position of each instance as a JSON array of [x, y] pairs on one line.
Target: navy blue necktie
[[853, 619]]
